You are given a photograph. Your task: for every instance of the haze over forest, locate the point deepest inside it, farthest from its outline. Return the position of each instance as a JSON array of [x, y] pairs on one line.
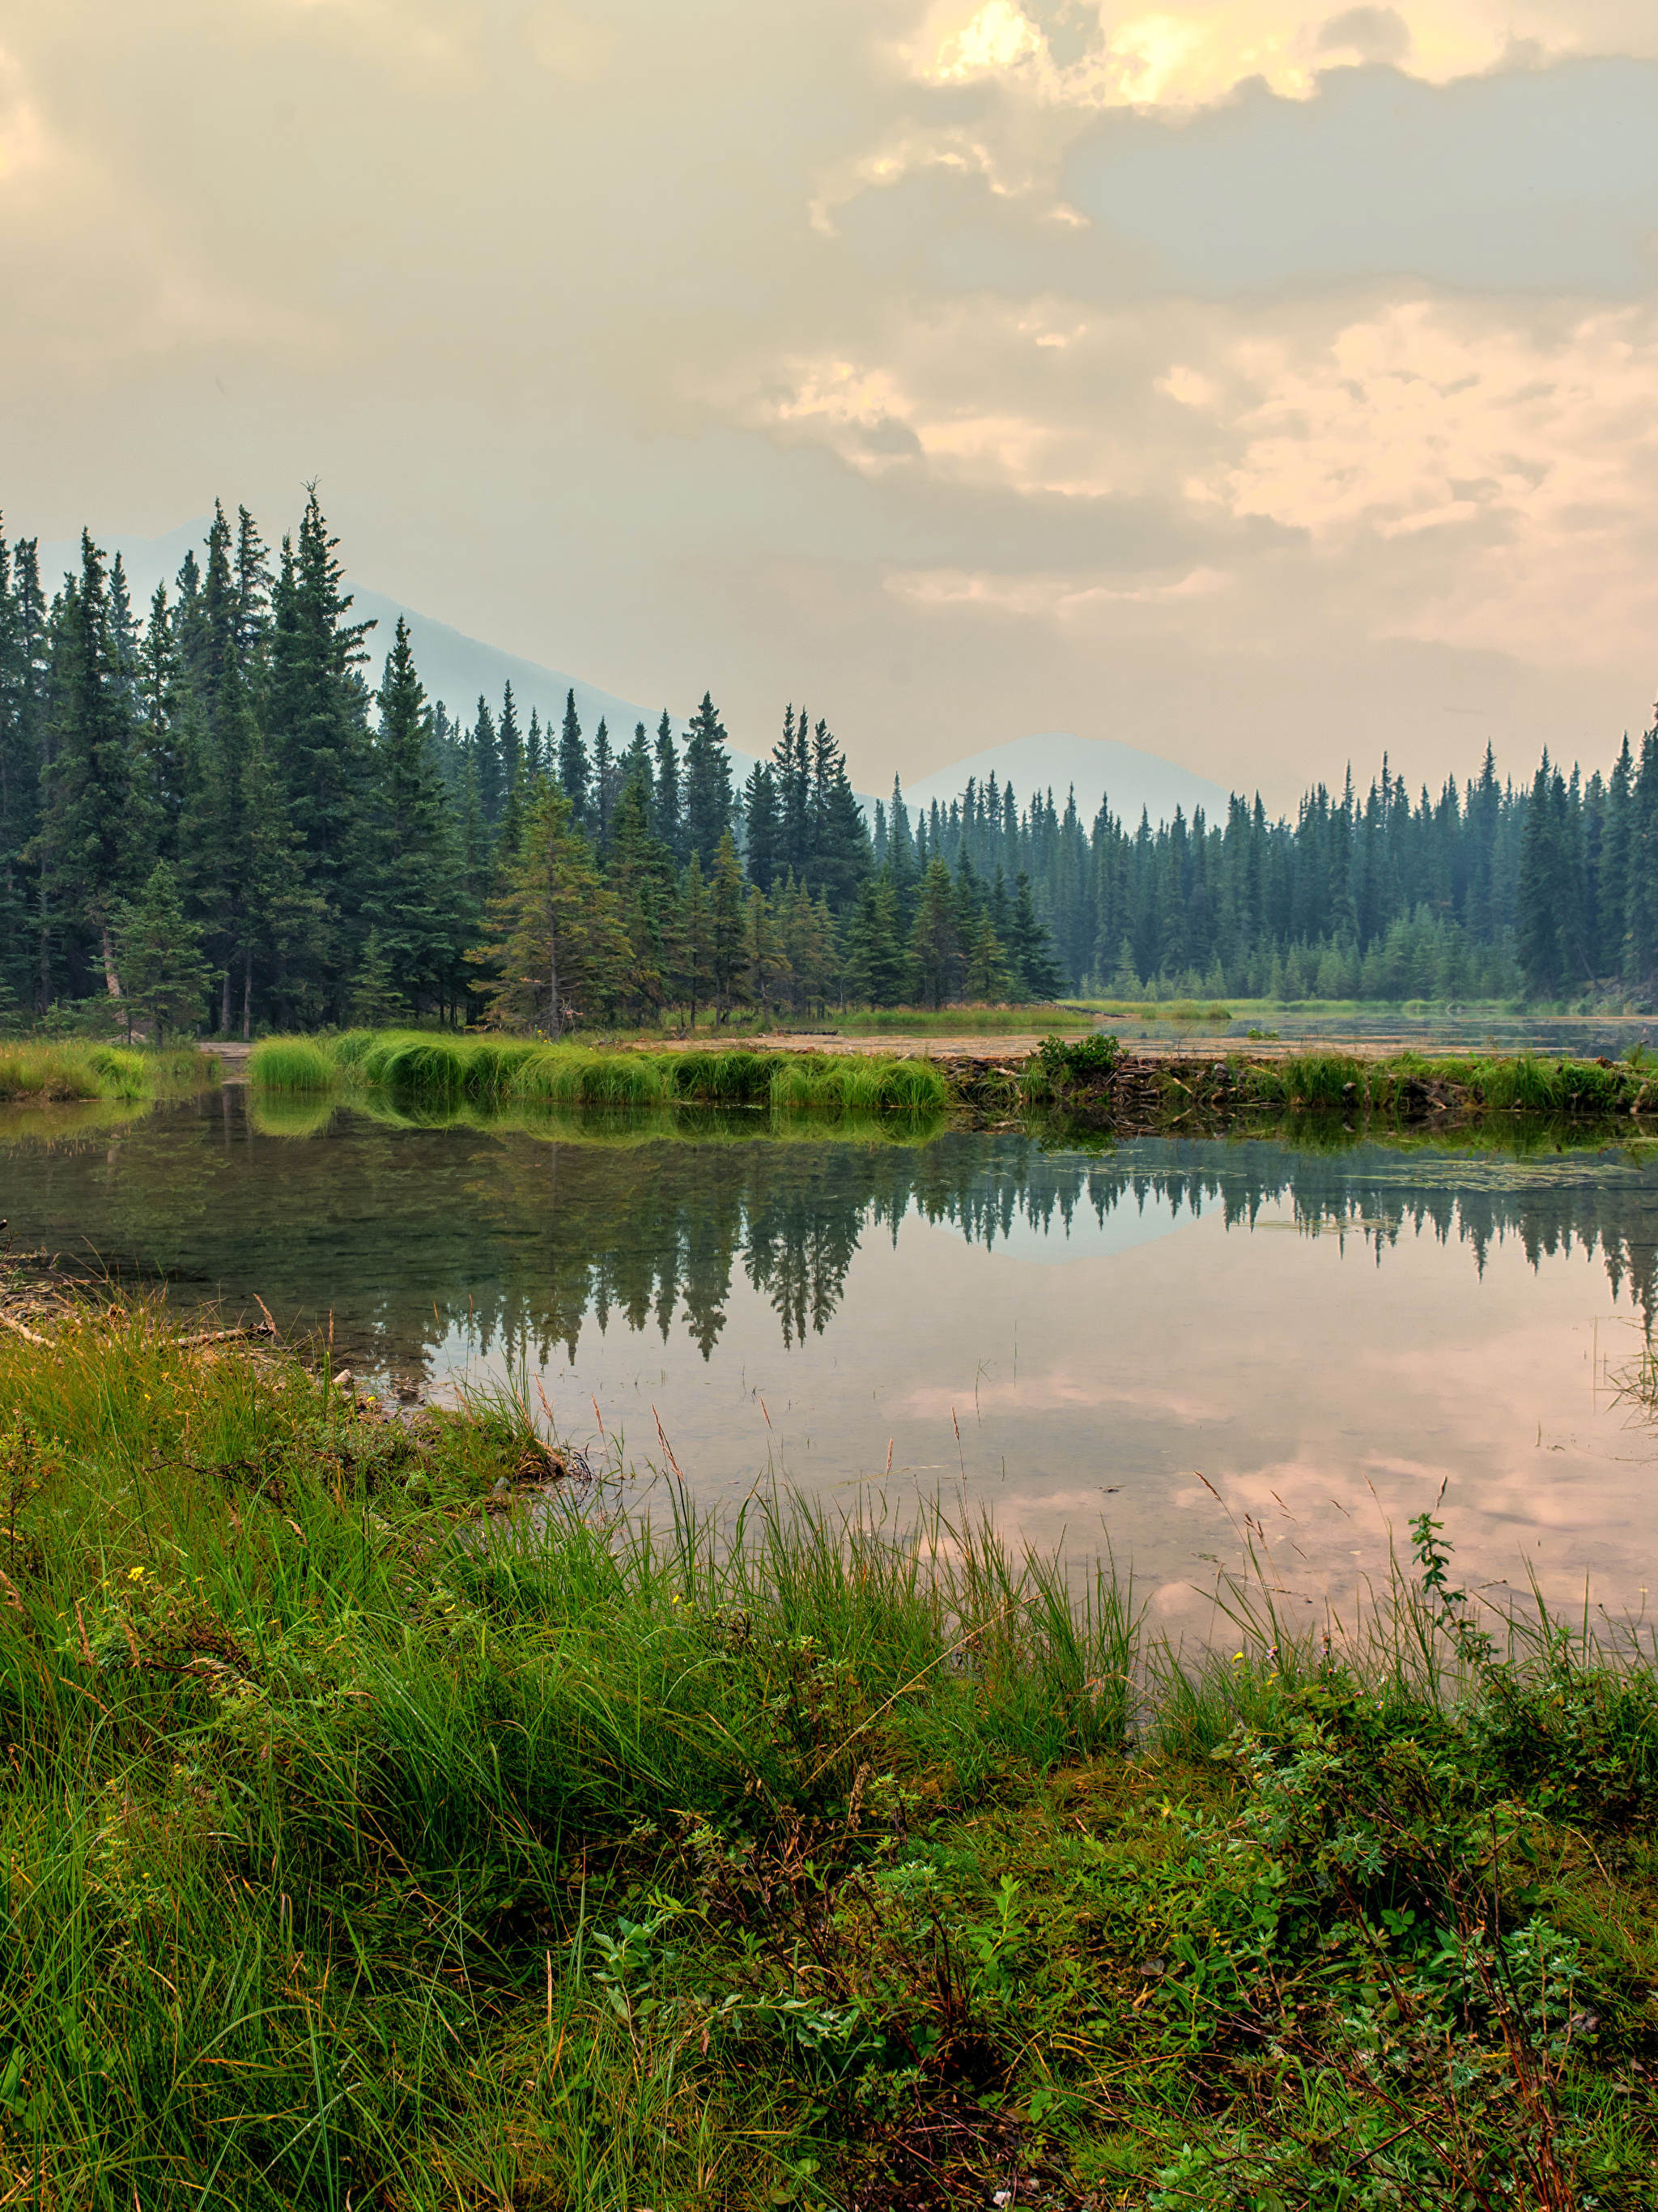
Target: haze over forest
[[1264, 388]]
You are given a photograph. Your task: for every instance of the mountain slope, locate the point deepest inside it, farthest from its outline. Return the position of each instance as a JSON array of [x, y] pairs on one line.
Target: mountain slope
[[457, 669]]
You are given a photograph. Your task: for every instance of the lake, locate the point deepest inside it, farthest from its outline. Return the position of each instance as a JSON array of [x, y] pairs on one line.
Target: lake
[[1148, 1347]]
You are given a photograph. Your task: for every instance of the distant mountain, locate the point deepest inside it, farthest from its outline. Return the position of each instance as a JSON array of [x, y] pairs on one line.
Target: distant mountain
[[452, 666], [457, 669], [1054, 760]]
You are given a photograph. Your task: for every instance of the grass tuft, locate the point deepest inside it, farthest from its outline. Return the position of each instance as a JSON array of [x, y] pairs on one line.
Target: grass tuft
[[102, 1071], [291, 1064]]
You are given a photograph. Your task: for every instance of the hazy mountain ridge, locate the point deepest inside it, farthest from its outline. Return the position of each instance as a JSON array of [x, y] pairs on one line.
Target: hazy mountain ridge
[[457, 669]]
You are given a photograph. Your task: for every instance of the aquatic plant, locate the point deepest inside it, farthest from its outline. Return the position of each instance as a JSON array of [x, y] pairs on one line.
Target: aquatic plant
[[733, 1077]]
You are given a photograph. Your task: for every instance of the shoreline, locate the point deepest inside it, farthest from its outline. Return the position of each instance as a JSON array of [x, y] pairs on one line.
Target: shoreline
[[389, 1808]]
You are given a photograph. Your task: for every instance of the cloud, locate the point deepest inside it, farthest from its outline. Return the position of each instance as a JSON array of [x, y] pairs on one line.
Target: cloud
[[1543, 181], [1091, 365], [1186, 57]]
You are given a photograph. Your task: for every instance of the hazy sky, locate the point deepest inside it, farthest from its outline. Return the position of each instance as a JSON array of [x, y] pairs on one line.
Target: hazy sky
[[1258, 384]]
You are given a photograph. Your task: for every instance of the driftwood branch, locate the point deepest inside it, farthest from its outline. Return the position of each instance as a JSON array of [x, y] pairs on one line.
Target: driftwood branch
[[179, 1343]]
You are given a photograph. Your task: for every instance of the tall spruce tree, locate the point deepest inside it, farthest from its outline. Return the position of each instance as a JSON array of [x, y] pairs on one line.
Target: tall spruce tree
[[573, 768], [708, 784]]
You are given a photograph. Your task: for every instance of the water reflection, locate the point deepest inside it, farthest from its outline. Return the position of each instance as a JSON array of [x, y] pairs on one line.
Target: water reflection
[[395, 1230], [1095, 1344]]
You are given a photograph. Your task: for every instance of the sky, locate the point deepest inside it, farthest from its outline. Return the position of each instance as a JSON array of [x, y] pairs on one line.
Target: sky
[[1262, 385]]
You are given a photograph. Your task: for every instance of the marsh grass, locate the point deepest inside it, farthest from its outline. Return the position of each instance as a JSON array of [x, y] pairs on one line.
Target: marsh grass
[[295, 1064], [66, 1072], [446, 1074], [379, 1827]]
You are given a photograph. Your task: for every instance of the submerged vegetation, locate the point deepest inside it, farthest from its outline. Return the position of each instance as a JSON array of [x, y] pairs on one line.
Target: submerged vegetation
[[394, 1816]]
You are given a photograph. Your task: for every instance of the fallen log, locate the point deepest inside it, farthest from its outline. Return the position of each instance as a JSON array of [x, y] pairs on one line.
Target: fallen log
[[27, 1335]]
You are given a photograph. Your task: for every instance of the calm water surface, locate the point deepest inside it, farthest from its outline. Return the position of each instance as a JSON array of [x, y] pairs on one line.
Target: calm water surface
[[1085, 1341]]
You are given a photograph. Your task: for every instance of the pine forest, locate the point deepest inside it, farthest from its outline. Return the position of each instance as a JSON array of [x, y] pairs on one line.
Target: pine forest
[[229, 814]]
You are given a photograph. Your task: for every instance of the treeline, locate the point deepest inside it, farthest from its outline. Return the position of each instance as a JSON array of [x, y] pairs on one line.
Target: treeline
[[210, 815], [1483, 891]]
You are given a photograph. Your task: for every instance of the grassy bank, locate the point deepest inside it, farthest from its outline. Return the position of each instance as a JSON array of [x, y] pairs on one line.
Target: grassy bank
[[505, 1073], [49, 1071], [369, 1838], [1094, 1078]]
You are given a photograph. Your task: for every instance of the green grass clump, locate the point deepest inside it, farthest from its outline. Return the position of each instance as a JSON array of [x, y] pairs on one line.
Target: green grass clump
[[1318, 1078], [441, 1074], [292, 1064], [851, 1083], [64, 1071], [732, 1078], [570, 1075], [375, 1824]]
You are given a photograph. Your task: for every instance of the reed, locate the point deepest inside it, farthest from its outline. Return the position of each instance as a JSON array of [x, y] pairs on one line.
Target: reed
[[568, 1075]]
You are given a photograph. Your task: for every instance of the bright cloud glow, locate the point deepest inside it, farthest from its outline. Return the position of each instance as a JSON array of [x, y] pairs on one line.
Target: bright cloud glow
[[1189, 56]]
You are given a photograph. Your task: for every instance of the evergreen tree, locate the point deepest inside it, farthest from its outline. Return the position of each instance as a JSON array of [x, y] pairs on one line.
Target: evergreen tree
[[486, 765], [376, 1001], [727, 928], [640, 871], [693, 946], [877, 966], [509, 743], [1030, 950], [414, 904], [666, 816], [1641, 895], [760, 845], [989, 977], [572, 773], [280, 919], [167, 977], [707, 783], [251, 620], [766, 962], [89, 733], [936, 952], [317, 726], [556, 950]]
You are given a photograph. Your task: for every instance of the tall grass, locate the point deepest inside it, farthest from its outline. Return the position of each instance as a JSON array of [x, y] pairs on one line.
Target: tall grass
[[444, 1073], [291, 1064], [361, 1843], [101, 1070], [859, 1084]]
